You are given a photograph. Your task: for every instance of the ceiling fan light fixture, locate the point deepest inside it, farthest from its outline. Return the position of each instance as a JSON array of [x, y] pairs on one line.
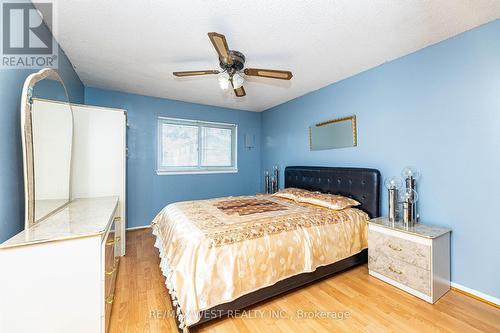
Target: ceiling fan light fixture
[[238, 81], [232, 63], [224, 81]]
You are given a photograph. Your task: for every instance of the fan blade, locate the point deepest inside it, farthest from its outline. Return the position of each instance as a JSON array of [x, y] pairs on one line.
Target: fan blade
[[220, 44], [240, 92], [271, 73], [194, 73]]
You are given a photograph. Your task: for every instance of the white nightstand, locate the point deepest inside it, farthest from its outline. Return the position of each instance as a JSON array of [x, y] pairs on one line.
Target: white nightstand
[[414, 259]]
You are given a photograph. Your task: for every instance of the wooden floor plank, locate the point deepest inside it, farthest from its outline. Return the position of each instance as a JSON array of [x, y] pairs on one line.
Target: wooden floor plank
[[142, 304]]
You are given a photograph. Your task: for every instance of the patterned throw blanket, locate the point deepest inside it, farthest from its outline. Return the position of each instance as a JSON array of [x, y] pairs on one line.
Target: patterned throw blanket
[[248, 206]]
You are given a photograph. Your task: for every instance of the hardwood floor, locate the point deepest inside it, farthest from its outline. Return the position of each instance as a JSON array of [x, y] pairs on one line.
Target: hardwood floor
[[369, 305]]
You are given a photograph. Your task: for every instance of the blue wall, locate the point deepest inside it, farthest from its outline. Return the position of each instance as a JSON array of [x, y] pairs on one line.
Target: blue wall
[[437, 109], [11, 160], [148, 193]]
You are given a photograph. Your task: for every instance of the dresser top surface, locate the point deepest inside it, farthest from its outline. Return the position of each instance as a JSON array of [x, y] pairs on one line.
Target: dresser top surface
[[419, 229], [84, 217]]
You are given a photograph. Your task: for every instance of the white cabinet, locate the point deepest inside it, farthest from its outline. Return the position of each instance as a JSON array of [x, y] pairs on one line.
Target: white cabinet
[[415, 259], [99, 156]]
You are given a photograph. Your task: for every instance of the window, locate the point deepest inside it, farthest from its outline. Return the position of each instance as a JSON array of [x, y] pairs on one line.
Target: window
[[190, 146]]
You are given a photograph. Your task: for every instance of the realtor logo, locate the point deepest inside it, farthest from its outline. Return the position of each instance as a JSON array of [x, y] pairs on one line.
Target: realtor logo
[[26, 35]]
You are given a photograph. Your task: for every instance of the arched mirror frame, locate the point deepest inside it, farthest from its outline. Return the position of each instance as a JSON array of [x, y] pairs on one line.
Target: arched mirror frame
[[27, 139]]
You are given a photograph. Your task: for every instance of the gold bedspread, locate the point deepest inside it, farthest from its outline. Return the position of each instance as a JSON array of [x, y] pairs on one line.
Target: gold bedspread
[[214, 251]]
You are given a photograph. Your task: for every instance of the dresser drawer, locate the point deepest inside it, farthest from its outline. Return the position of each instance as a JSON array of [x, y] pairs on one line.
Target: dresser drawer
[[110, 279], [401, 249], [108, 306], [111, 262], [411, 276], [109, 252]]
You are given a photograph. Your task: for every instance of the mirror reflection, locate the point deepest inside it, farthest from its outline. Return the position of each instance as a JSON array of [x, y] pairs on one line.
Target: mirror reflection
[[335, 133], [52, 128]]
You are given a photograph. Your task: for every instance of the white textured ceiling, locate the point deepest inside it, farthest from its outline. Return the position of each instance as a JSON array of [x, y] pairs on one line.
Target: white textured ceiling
[[134, 46]]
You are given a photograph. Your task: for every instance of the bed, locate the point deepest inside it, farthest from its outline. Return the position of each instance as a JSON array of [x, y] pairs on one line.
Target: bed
[[225, 254]]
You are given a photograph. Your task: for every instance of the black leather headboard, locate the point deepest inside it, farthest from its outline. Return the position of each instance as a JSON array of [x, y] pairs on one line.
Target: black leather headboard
[[360, 184]]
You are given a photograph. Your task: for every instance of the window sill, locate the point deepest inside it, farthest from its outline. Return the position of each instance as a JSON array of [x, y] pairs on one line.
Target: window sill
[[193, 172]]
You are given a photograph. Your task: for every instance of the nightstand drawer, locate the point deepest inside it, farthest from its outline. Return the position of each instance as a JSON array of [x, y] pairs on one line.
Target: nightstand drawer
[[401, 249], [411, 276]]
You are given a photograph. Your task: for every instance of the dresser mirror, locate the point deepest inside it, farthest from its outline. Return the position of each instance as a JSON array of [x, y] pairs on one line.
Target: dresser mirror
[[47, 134], [335, 133]]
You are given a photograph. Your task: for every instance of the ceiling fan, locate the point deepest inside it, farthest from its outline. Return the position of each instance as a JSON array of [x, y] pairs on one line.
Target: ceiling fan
[[232, 64]]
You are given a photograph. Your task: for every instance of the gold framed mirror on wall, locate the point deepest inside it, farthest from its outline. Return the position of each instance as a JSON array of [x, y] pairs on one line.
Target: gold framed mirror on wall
[[47, 139], [332, 134]]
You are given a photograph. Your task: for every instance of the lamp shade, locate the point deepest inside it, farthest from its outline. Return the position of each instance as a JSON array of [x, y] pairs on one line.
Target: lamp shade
[[409, 171], [238, 81], [393, 182], [408, 195], [224, 81]]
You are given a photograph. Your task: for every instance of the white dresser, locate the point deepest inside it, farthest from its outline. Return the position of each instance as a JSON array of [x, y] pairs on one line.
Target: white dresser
[[414, 259], [59, 275]]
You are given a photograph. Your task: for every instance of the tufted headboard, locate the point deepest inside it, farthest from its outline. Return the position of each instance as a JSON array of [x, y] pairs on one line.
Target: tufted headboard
[[360, 184]]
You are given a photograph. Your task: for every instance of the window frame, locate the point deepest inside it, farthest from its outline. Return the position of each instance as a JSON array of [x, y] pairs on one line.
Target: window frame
[[198, 169]]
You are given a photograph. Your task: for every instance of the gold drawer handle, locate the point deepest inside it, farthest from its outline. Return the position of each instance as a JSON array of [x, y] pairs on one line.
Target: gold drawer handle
[[395, 248], [395, 270], [113, 241], [116, 219], [115, 266], [110, 299]]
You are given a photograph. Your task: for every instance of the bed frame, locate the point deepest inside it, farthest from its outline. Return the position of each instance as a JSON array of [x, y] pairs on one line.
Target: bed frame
[[357, 183]]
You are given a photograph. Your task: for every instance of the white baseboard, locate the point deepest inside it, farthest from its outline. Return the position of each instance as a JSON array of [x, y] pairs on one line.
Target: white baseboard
[[138, 228], [476, 293]]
